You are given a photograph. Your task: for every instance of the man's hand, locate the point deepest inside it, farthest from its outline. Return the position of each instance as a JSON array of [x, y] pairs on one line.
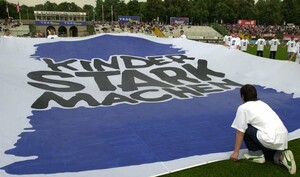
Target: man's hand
[[234, 156]]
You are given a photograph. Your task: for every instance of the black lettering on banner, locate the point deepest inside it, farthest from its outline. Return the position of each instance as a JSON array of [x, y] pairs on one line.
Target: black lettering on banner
[[158, 60], [179, 75], [99, 63], [138, 96], [113, 98], [155, 84], [202, 71], [129, 81], [65, 86], [179, 58], [101, 78], [128, 61], [43, 101], [86, 65], [64, 64], [227, 82]]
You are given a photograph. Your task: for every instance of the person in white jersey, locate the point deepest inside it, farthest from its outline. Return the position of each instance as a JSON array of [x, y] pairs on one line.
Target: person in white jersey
[[235, 41], [52, 34], [181, 34], [227, 38], [297, 53], [291, 44], [273, 47], [244, 44], [261, 42], [262, 130]]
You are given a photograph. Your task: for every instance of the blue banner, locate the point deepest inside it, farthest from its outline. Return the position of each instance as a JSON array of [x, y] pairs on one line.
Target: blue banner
[[129, 19], [60, 23], [179, 20]]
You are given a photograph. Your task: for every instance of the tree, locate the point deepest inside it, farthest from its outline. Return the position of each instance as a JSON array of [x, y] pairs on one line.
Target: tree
[[133, 7], [269, 12], [3, 14], [68, 7], [48, 6], [246, 10], [26, 12], [39, 7], [273, 12], [154, 9], [89, 9], [288, 11], [261, 6], [212, 8], [199, 12], [223, 12], [110, 7], [119, 8], [232, 13], [98, 9]]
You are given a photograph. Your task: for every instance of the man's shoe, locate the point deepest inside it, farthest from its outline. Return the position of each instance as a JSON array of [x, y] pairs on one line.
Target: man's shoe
[[256, 159], [288, 161]]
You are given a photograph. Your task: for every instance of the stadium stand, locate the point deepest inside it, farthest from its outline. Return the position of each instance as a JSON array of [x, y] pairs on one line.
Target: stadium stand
[[202, 33], [20, 31], [196, 32]]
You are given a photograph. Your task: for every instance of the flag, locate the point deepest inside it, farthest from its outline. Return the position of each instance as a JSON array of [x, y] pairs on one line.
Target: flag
[[112, 13], [102, 13], [6, 7], [18, 8], [112, 10]]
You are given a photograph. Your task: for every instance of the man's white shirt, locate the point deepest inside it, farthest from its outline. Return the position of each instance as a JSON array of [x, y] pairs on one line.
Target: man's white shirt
[[235, 43], [260, 44], [274, 44], [227, 39], [291, 45], [244, 44]]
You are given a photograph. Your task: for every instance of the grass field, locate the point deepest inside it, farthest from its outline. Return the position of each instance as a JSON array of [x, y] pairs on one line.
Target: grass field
[[241, 168], [244, 168], [281, 52]]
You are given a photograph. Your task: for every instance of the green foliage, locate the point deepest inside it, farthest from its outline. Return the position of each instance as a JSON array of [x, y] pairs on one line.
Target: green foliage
[[90, 29], [154, 10], [268, 12], [219, 28], [133, 8], [89, 9]]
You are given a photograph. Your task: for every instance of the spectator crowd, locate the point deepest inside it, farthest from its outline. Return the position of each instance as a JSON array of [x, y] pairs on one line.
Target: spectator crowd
[[265, 30]]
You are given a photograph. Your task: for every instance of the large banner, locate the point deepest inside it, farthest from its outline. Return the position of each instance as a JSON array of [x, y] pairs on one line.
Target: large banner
[[126, 19], [128, 105], [247, 22], [179, 20], [289, 36], [60, 23]]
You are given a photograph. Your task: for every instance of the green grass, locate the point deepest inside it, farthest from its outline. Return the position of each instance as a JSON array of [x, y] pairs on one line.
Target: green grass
[[244, 168], [241, 168], [280, 55]]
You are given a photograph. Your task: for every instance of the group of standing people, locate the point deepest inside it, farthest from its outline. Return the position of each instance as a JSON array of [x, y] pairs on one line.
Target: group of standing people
[[51, 33], [293, 48]]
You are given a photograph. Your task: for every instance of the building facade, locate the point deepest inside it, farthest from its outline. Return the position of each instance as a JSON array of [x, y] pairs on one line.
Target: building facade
[[65, 24]]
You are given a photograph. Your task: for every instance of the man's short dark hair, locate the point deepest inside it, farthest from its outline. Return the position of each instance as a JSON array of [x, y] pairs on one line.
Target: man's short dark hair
[[248, 93]]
